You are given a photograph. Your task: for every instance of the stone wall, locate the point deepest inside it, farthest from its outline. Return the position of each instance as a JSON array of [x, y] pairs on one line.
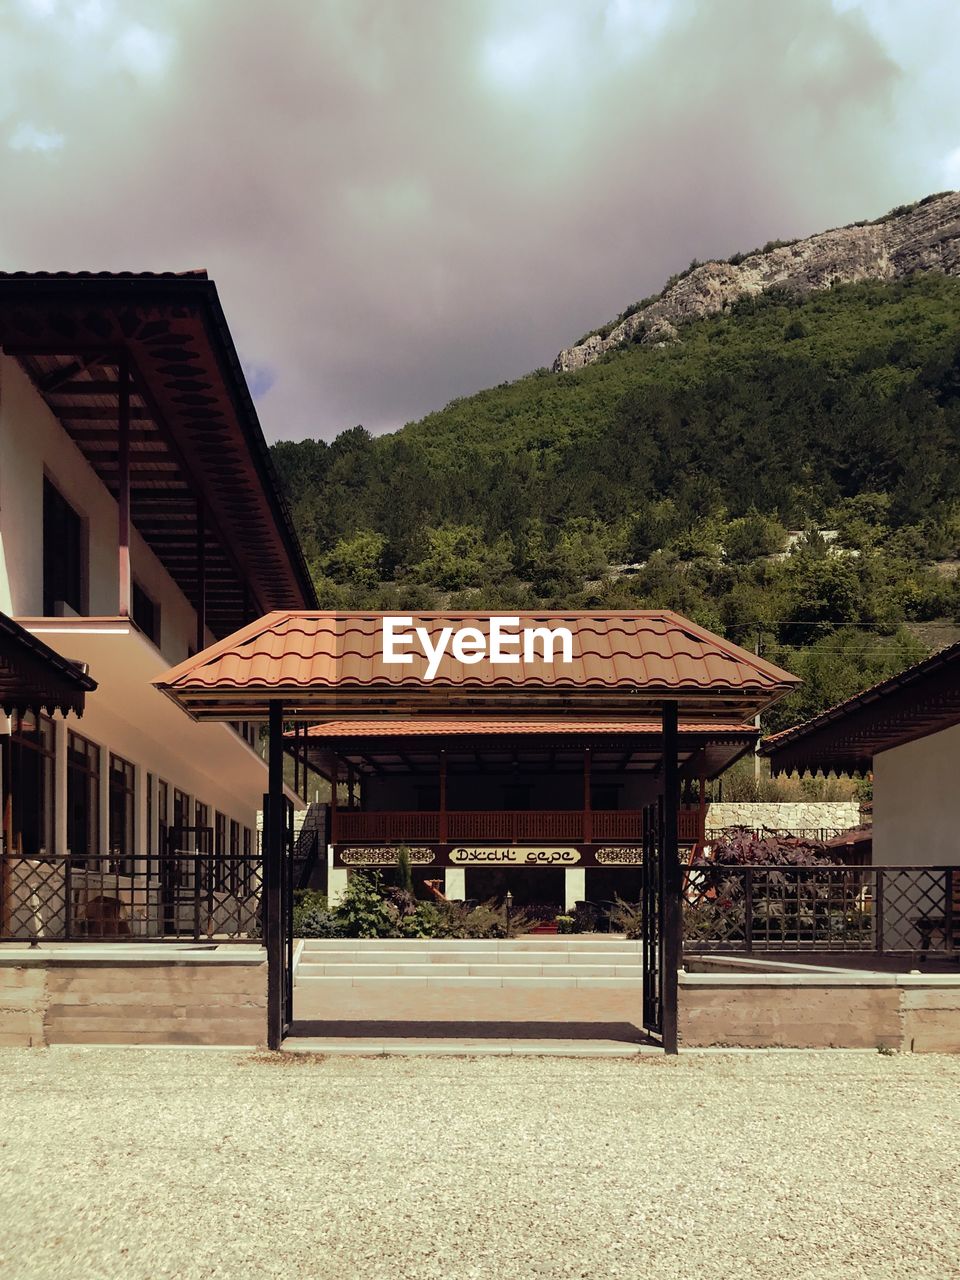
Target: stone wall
[[908, 1014], [837, 815], [68, 999]]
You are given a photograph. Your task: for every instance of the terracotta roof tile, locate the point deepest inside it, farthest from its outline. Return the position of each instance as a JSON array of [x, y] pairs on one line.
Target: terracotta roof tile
[[645, 650], [467, 727]]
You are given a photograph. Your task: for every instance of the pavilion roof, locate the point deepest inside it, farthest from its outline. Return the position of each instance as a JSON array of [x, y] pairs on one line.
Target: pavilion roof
[[327, 665], [921, 700], [470, 727], [33, 677]]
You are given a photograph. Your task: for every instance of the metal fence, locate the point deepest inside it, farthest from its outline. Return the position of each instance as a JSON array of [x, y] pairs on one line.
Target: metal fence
[[888, 910], [182, 895]]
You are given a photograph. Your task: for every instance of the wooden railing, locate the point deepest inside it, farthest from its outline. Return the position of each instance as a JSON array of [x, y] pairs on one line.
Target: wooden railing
[[511, 826]]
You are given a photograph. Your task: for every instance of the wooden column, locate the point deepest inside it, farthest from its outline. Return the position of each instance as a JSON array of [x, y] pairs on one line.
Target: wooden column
[[671, 913], [123, 493], [443, 797], [273, 905], [702, 819], [333, 799], [587, 798], [201, 577]]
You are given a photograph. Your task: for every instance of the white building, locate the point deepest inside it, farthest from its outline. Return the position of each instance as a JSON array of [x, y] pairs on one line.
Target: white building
[[140, 520], [906, 731]]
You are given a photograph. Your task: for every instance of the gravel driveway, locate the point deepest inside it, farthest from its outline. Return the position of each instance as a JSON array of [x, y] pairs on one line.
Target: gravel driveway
[[150, 1164]]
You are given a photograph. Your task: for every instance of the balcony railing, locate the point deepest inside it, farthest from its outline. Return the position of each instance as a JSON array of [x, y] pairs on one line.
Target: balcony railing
[[510, 826]]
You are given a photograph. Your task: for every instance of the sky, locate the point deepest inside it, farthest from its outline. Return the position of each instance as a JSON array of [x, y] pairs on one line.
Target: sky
[[405, 201]]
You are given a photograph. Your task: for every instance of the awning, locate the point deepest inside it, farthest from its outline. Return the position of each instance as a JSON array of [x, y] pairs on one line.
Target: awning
[[921, 700], [35, 678], [331, 665]]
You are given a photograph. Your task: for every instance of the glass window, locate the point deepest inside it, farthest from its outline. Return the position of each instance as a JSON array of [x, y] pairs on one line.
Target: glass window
[[83, 798], [64, 553], [151, 817], [145, 612], [29, 789], [181, 810], [234, 869], [203, 815], [163, 800], [122, 796]]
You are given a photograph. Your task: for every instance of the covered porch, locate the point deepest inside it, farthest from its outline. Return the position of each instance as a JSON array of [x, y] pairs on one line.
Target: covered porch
[[467, 793]]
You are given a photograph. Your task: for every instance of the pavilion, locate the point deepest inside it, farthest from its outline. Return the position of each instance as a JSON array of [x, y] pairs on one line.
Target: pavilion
[[647, 698]]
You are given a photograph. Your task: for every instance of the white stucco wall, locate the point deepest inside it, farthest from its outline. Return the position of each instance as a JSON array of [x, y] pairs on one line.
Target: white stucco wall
[[915, 802], [210, 763], [32, 445]]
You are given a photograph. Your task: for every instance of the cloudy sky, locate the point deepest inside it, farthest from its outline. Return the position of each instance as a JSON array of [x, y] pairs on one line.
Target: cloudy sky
[[403, 201]]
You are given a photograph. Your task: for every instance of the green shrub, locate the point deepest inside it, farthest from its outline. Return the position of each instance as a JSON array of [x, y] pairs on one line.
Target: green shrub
[[312, 917], [565, 924], [627, 917], [363, 912]]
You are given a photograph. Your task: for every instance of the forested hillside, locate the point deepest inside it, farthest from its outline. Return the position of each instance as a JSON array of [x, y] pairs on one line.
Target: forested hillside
[[708, 475]]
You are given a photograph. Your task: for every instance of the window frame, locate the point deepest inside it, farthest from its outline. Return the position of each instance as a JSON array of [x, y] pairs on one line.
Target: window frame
[[53, 525], [89, 771]]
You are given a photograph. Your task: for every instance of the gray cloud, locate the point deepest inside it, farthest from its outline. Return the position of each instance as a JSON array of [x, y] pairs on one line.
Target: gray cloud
[[405, 202]]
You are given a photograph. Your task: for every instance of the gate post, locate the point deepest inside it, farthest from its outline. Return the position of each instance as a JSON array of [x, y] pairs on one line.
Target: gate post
[[672, 924], [273, 831]]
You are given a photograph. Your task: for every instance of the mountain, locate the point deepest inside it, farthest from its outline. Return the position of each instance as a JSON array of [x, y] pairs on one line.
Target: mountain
[[921, 237], [786, 472]]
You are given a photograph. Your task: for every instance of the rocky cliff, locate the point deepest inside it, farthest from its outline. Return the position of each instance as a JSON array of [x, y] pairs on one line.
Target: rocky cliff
[[922, 237]]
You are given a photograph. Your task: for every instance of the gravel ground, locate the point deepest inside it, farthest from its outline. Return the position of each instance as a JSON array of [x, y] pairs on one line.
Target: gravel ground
[[139, 1165]]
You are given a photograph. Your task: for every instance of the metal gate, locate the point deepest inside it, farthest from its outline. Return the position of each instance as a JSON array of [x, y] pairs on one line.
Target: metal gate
[[661, 926]]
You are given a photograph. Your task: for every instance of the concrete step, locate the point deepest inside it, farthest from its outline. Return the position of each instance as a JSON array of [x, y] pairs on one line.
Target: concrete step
[[463, 968], [536, 942], [555, 959], [402, 984]]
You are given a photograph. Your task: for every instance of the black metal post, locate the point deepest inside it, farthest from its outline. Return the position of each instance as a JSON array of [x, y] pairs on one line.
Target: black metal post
[[273, 878], [748, 907], [672, 922], [124, 602]]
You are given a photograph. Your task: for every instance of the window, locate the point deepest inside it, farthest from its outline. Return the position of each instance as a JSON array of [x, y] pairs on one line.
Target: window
[[181, 810], [122, 794], [83, 798], [64, 553], [163, 800], [234, 873], [146, 613], [29, 788], [202, 815], [219, 850]]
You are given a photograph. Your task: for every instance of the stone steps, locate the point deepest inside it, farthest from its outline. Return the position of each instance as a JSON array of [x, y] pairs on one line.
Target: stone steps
[[411, 965], [463, 969]]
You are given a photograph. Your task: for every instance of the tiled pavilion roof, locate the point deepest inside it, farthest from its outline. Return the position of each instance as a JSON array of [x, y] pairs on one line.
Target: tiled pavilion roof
[[330, 665]]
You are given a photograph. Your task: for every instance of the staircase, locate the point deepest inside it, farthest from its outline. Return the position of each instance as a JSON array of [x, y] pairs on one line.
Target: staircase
[[560, 983]]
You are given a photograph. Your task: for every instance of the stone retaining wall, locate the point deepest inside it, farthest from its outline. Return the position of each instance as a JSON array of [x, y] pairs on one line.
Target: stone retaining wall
[[803, 816], [217, 1000], [868, 1011]]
